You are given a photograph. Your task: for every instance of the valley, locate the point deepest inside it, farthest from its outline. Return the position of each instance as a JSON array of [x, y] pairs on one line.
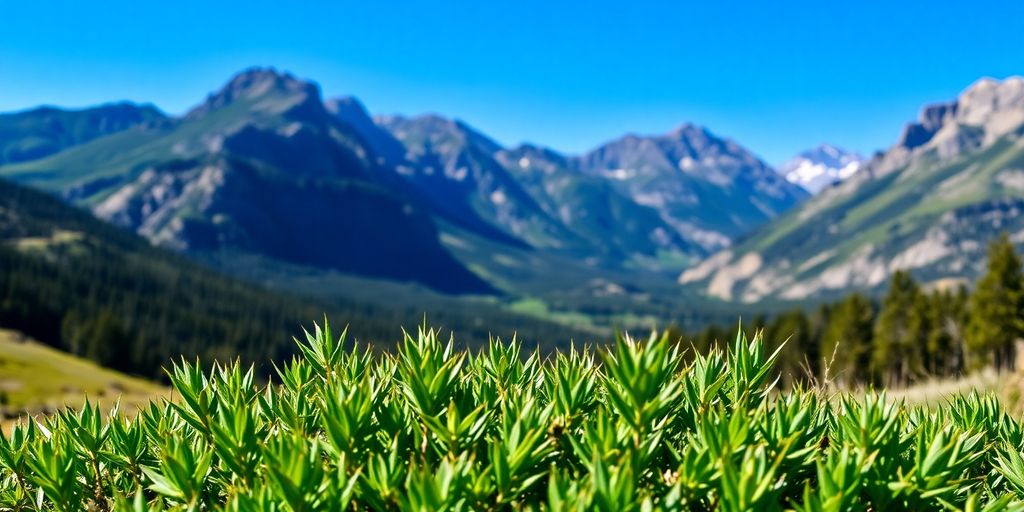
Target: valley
[[267, 181]]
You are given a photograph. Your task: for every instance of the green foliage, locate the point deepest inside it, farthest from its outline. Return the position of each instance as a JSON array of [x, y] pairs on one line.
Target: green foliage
[[636, 426], [996, 308], [800, 352], [846, 340], [900, 332], [948, 317], [917, 333]]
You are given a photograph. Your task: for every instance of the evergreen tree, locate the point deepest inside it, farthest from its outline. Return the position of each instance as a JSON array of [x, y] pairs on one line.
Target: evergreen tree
[[799, 356], [846, 342], [996, 305], [900, 333], [944, 345], [711, 336]]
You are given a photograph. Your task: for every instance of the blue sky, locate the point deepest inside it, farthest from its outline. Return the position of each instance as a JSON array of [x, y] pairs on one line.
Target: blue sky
[[778, 77]]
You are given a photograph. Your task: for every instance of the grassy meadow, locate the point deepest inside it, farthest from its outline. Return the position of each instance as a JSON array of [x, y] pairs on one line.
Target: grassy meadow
[[37, 379]]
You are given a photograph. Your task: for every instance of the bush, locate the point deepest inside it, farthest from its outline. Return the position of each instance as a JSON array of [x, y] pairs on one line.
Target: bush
[[430, 428]]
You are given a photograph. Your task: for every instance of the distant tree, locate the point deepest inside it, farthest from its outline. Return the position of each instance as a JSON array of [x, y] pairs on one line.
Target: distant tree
[[900, 333], [797, 361], [711, 336], [995, 308], [760, 322], [109, 342], [846, 341], [945, 342]]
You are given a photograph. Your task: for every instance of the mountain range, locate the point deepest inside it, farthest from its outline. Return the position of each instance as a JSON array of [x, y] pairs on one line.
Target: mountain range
[[265, 166], [266, 178], [260, 166], [929, 204], [43, 131]]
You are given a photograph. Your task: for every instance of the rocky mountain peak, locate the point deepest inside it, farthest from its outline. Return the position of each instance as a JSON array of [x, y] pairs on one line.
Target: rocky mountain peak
[[256, 84], [932, 118], [995, 107], [349, 109], [438, 132], [689, 131]]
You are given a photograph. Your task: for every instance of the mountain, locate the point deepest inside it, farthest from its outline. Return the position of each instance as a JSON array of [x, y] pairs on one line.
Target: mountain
[[77, 283], [821, 167], [930, 203], [450, 170], [525, 195], [709, 189], [266, 172], [581, 204], [260, 167], [614, 225], [455, 168], [43, 131], [349, 110]]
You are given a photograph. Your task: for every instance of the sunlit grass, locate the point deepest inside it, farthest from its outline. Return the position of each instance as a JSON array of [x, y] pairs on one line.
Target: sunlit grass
[[35, 379]]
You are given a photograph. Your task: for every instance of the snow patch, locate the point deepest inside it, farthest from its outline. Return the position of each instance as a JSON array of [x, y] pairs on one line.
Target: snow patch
[[819, 168]]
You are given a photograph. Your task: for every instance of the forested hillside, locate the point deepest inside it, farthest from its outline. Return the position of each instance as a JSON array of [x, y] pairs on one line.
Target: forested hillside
[[74, 282], [914, 333]]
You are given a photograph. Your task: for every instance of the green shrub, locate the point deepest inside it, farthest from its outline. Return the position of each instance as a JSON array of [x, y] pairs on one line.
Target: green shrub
[[634, 426]]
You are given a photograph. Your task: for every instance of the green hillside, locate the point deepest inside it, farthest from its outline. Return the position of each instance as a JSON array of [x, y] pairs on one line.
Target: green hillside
[[43, 131], [36, 378], [77, 283]]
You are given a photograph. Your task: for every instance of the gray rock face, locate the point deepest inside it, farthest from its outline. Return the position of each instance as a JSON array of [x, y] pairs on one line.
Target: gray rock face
[[691, 180], [615, 226], [708, 188]]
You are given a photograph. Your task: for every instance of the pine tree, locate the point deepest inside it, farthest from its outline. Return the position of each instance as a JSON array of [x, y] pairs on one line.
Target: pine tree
[[846, 341], [899, 333], [996, 305], [798, 358], [945, 342]]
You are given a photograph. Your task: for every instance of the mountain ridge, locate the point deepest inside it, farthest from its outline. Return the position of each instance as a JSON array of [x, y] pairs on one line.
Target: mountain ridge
[[952, 180], [261, 166], [44, 130], [264, 164]]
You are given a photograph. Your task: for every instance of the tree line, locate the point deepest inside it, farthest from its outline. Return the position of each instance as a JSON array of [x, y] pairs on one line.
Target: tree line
[[138, 311], [911, 334]]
